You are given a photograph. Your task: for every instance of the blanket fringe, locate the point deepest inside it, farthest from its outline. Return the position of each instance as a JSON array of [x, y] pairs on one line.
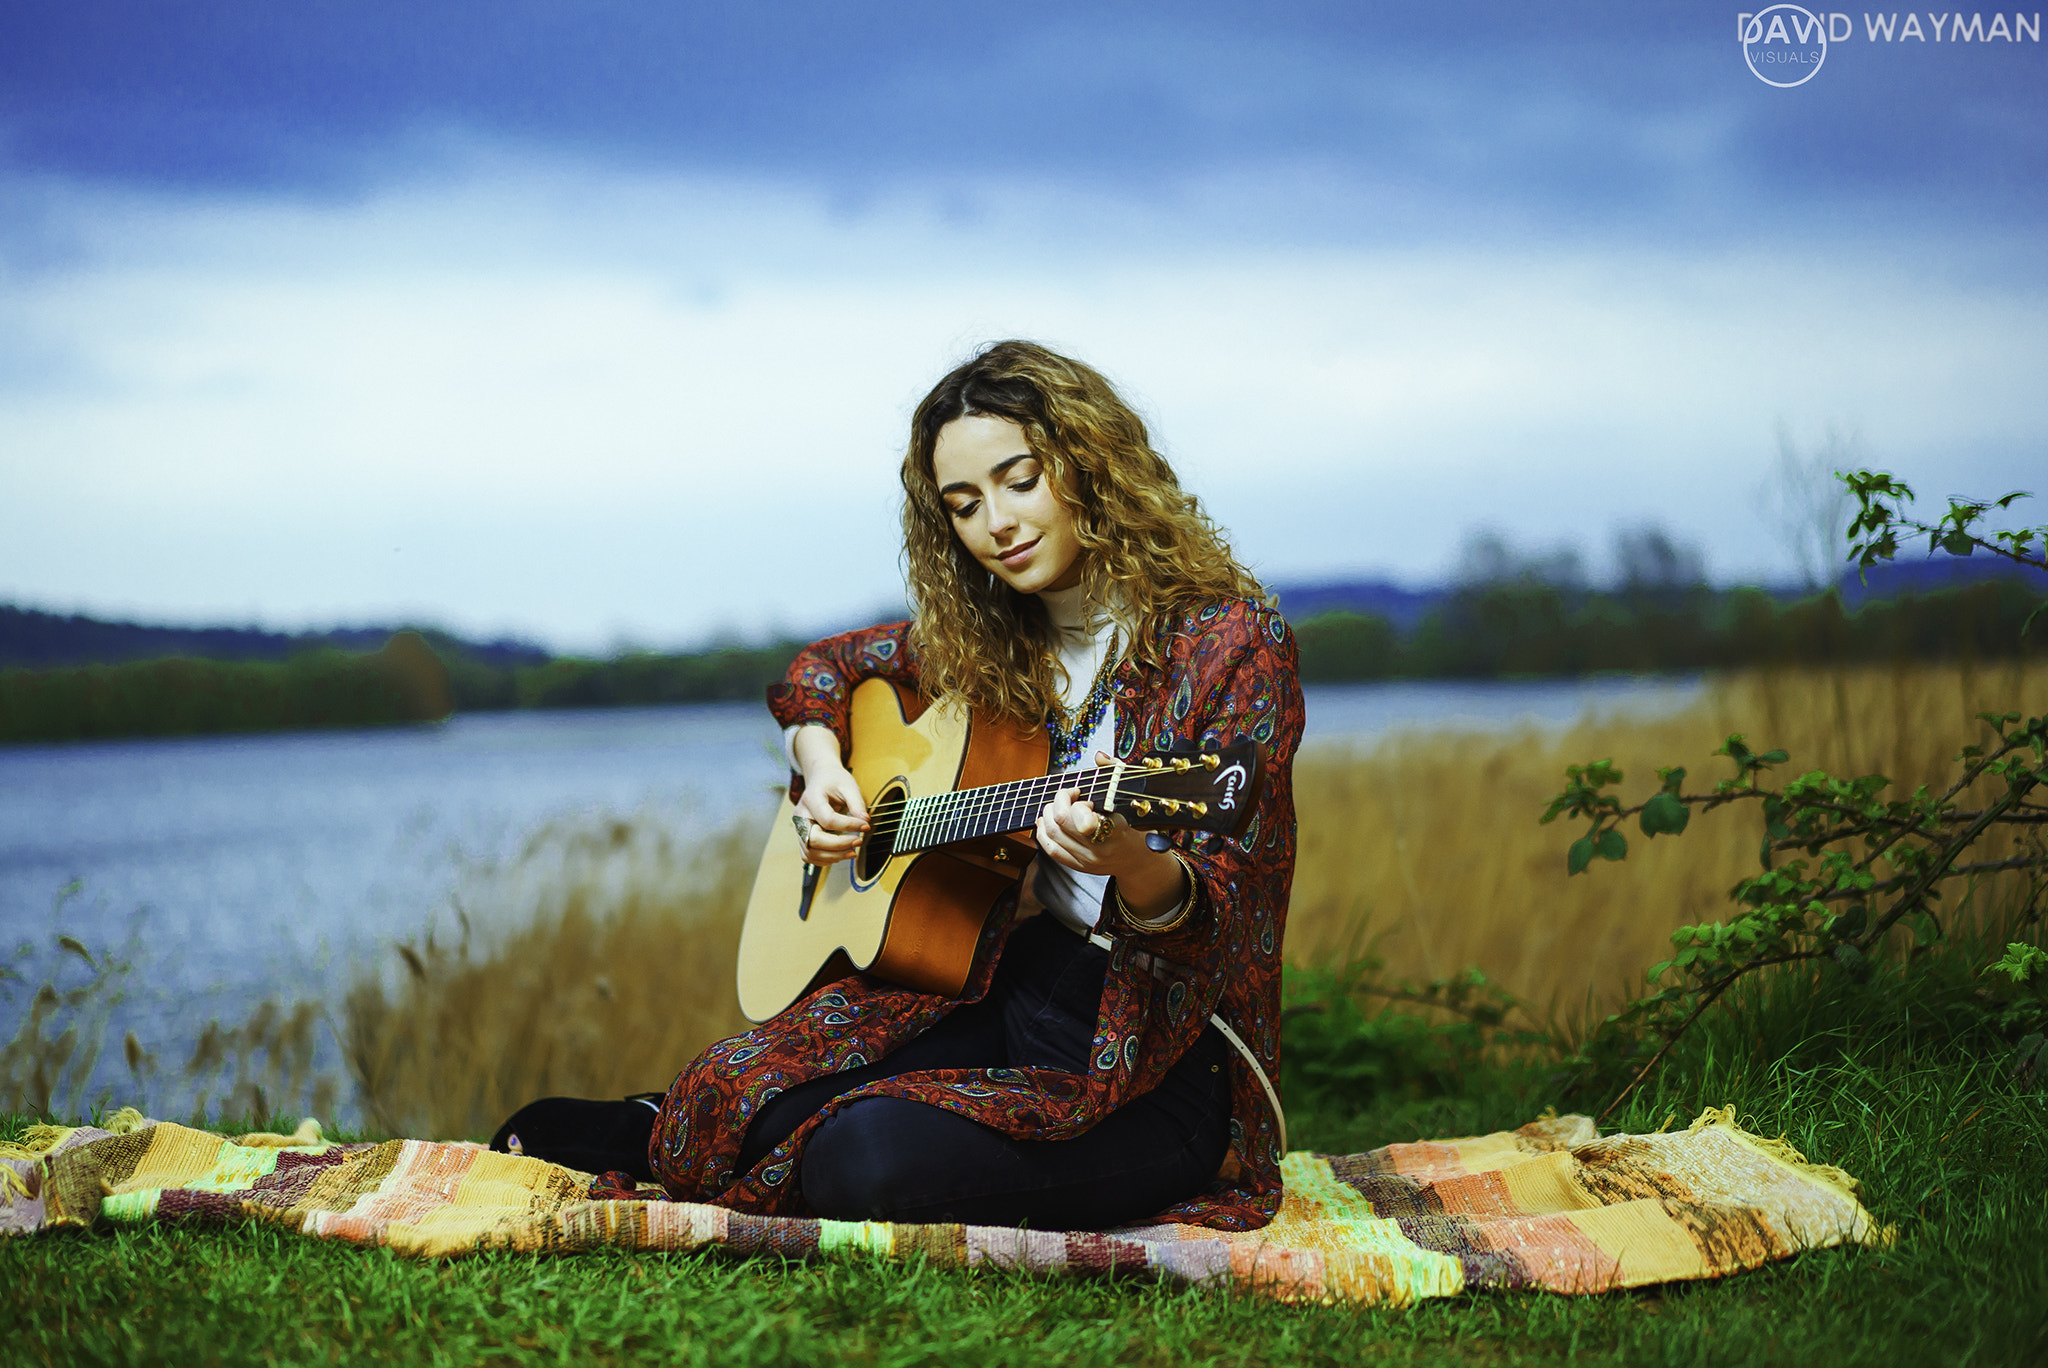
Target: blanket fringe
[[37, 1141], [307, 1136], [1780, 1149]]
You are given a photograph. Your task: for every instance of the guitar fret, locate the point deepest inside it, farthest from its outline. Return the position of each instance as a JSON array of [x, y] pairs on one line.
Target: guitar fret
[[967, 823], [986, 808], [995, 811]]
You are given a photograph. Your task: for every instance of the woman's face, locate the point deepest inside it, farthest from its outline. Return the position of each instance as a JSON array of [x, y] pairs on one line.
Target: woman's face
[[1002, 505]]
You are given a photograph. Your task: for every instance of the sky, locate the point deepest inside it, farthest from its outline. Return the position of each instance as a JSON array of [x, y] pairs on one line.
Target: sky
[[601, 324]]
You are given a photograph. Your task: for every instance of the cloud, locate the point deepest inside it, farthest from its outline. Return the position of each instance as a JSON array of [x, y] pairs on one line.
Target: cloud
[[589, 405], [1497, 115]]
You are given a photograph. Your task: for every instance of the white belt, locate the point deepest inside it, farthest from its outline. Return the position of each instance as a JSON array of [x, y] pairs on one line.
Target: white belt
[[1146, 962]]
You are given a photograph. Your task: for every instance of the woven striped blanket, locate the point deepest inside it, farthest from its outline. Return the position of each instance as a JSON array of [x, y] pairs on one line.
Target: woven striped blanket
[[1548, 1206]]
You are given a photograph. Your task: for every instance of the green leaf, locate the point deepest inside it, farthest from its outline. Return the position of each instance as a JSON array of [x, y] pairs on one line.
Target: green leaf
[[1664, 813], [1959, 543], [2021, 961], [1579, 856], [1853, 962], [1613, 845]]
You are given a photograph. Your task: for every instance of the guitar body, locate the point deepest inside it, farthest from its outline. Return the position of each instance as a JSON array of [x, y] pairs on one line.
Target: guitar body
[[913, 919]]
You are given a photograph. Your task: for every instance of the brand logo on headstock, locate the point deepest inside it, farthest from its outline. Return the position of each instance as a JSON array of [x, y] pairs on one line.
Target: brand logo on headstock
[[1233, 779]]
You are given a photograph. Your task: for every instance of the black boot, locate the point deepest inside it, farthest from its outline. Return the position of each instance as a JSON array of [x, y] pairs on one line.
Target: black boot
[[596, 1137]]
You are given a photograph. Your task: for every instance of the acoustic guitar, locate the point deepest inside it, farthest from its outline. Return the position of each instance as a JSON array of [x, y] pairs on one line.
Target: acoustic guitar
[[947, 794]]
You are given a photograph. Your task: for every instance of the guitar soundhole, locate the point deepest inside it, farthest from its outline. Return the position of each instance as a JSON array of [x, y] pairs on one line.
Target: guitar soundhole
[[886, 811]]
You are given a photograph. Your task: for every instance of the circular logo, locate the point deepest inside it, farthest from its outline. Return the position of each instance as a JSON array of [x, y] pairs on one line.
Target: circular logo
[[1785, 45]]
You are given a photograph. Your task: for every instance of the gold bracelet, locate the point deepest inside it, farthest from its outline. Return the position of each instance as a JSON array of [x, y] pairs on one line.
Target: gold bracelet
[[1173, 919]]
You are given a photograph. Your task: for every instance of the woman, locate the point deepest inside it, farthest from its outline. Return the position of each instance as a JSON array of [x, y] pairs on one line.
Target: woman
[[1060, 577]]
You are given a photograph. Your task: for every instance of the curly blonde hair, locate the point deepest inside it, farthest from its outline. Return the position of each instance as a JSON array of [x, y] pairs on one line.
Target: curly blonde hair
[[1149, 552]]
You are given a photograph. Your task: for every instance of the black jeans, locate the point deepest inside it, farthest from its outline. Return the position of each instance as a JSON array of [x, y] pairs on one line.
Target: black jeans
[[891, 1159]]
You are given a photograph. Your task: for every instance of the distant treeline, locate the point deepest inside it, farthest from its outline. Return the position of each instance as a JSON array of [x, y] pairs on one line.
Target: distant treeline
[[1524, 626], [1533, 628], [638, 679], [413, 677], [1480, 632], [37, 640], [405, 681]]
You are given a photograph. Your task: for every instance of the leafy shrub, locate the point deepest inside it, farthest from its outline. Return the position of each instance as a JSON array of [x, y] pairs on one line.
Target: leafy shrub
[[1847, 866]]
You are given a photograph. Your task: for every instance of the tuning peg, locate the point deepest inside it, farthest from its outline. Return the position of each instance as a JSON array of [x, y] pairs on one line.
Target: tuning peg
[[1211, 760], [1181, 764], [1199, 809], [1140, 806]]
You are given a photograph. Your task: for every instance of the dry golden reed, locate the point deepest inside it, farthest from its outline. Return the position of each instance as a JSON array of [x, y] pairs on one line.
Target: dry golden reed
[[613, 969], [1426, 847], [617, 967]]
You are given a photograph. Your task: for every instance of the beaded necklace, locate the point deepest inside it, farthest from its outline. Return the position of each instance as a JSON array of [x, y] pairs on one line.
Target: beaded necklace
[[1069, 740]]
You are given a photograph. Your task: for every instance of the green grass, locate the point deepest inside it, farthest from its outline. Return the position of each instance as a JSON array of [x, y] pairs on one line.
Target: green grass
[[1875, 1079]]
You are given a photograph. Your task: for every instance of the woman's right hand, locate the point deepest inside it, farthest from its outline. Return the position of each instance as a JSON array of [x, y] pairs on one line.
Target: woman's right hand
[[832, 802]]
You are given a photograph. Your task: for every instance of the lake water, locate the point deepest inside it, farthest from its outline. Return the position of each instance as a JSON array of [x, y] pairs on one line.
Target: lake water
[[240, 868]]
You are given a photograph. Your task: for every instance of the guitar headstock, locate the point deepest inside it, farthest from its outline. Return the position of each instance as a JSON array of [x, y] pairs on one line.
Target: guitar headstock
[[1212, 791]]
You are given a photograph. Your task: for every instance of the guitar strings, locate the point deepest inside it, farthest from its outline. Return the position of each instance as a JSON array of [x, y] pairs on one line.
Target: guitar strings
[[1017, 791], [890, 817], [998, 796], [1091, 783]]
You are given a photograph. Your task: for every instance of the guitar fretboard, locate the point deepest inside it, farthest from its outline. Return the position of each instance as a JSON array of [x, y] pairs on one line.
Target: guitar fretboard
[[941, 818]]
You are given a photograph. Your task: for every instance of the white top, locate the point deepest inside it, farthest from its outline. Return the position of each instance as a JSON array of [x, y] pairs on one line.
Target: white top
[[1074, 898]]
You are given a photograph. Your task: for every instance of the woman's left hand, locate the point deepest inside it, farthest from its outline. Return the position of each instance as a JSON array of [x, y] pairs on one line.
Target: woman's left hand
[[1071, 831]]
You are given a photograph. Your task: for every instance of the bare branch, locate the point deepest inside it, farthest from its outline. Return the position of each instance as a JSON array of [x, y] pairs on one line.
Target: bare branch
[[1956, 846]]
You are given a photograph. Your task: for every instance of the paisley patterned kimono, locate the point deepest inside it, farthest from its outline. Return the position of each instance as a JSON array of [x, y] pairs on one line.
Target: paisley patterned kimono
[[1229, 674]]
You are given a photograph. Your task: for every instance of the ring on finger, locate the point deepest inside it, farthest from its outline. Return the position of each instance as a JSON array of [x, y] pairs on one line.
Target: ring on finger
[[1103, 828]]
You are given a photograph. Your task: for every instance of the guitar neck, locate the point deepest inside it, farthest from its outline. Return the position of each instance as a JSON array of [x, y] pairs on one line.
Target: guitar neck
[[963, 815]]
